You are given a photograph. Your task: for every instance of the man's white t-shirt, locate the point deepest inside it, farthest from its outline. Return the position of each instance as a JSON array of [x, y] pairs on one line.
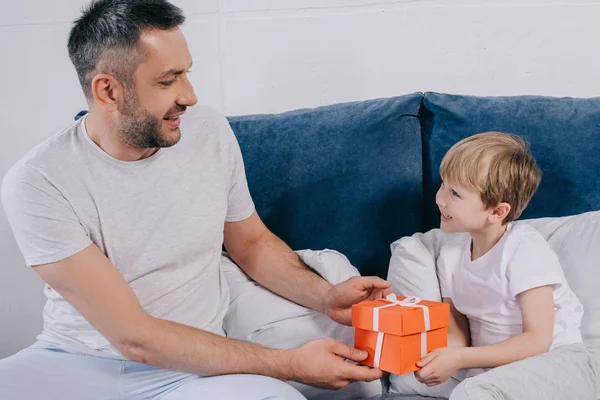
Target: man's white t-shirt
[[159, 220], [486, 290]]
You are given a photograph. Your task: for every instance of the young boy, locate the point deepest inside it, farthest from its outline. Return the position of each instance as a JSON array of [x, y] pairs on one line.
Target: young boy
[[508, 295]]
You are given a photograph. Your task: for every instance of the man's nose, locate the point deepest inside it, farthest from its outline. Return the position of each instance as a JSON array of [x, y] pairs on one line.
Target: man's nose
[[188, 97]]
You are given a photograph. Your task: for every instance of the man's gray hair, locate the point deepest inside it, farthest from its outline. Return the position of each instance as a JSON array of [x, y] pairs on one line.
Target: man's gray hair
[[105, 38]]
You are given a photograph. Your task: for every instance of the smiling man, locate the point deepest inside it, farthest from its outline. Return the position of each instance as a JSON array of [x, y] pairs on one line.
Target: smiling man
[[123, 215]]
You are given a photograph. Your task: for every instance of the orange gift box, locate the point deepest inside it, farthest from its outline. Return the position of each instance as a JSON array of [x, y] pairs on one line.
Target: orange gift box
[[395, 333]]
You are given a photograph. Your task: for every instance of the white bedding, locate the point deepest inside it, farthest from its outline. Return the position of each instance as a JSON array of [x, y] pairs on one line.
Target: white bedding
[[259, 316]]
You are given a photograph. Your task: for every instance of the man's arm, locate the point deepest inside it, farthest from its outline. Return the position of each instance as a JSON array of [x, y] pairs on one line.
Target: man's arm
[[270, 262], [91, 284]]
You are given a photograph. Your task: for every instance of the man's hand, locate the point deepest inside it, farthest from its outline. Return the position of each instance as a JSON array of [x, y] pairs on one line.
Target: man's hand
[[439, 365], [321, 363], [339, 299]]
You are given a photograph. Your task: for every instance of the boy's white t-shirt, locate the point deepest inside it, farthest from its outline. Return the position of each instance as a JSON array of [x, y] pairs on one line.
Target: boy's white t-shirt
[[486, 290]]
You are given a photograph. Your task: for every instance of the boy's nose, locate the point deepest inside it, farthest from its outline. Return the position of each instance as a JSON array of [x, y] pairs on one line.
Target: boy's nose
[[439, 201]]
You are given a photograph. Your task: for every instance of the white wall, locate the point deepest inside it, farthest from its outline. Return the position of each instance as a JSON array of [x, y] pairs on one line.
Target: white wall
[[256, 56]]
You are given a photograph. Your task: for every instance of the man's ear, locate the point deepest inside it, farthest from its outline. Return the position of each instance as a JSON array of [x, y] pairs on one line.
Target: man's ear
[[107, 91], [499, 212]]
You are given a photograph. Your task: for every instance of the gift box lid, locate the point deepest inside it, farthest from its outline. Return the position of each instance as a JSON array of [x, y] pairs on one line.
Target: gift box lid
[[398, 319]]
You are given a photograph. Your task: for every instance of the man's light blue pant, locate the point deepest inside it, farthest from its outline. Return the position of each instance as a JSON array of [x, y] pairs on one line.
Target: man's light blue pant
[[44, 372]]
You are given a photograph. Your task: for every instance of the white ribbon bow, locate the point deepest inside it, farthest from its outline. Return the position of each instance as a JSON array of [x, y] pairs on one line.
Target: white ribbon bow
[[408, 302]]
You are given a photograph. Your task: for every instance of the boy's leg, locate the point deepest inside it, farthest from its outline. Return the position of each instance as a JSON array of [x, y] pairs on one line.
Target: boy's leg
[[408, 385], [234, 387], [43, 372], [567, 372]]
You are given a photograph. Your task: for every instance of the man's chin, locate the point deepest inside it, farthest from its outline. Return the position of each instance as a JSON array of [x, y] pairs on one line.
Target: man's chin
[[170, 137]]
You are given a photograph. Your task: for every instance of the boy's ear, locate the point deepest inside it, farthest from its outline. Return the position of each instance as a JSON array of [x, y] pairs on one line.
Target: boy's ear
[[500, 212]]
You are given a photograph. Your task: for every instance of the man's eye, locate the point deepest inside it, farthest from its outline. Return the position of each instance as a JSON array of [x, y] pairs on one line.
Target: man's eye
[[167, 83]]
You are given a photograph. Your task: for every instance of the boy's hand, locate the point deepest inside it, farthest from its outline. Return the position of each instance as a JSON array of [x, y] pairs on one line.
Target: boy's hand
[[439, 365]]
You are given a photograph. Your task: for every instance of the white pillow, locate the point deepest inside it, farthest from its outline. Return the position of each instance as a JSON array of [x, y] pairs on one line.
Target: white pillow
[[412, 266], [413, 273], [575, 239], [262, 317]]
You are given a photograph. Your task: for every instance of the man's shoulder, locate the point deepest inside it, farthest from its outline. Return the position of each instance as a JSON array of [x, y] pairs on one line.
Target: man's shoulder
[[202, 125], [204, 116], [51, 155]]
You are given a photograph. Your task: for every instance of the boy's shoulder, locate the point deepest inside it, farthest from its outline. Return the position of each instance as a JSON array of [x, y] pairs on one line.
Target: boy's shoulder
[[524, 241], [523, 235], [524, 228]]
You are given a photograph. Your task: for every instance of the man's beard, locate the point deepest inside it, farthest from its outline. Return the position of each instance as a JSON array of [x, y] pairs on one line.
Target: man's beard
[[140, 129]]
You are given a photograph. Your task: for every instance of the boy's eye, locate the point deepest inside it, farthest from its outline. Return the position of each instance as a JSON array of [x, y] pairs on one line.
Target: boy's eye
[[455, 194]]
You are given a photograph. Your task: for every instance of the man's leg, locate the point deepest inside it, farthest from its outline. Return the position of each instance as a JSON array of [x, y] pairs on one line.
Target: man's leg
[[567, 372], [42, 372], [234, 387]]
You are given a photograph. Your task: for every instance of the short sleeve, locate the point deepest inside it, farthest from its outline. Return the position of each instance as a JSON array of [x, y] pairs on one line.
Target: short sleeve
[[532, 264], [44, 225], [240, 205]]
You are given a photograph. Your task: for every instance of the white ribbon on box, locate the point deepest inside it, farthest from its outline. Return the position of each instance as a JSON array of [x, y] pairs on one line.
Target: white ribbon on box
[[408, 302]]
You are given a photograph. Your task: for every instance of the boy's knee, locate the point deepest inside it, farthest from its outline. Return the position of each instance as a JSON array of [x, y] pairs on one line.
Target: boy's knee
[[473, 389]]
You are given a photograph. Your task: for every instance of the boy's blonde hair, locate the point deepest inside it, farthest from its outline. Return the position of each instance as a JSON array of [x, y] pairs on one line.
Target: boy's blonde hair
[[497, 165]]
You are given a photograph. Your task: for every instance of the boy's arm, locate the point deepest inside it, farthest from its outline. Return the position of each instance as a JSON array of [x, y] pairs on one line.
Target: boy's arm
[[532, 272], [458, 330], [537, 309]]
